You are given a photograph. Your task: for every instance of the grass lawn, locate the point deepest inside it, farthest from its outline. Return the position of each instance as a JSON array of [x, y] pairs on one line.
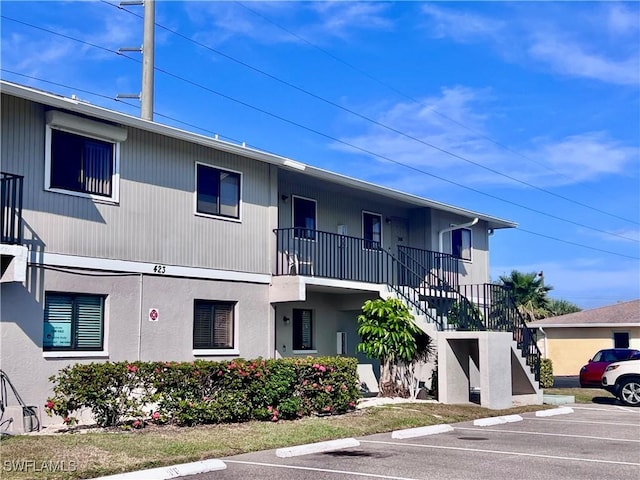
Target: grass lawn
[[583, 395], [107, 452], [101, 453]]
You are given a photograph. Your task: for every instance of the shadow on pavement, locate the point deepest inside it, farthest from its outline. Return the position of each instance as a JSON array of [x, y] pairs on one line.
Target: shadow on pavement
[[605, 400], [570, 381]]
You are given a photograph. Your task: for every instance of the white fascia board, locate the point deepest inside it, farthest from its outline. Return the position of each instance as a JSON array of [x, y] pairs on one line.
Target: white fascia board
[[58, 101], [126, 266]]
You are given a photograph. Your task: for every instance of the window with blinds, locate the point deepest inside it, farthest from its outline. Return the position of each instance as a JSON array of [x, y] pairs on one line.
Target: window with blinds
[[81, 164], [302, 330], [213, 325], [73, 322], [461, 243]]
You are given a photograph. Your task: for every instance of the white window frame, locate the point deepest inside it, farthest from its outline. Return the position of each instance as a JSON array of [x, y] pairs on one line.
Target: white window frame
[[89, 129], [195, 193], [220, 352], [293, 217], [104, 353], [364, 247], [470, 259], [314, 339]]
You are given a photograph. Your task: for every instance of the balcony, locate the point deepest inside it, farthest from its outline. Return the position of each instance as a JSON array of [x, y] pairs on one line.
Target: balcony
[[13, 254], [328, 255], [11, 213]]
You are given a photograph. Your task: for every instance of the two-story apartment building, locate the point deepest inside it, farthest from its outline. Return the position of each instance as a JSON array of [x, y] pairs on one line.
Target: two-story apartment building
[[126, 239]]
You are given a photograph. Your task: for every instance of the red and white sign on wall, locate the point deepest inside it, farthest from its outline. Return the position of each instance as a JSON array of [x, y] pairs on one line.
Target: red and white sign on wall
[[154, 315]]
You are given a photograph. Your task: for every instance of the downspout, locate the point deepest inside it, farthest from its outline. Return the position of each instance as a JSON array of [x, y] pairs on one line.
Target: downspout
[[140, 318], [544, 342], [451, 228]]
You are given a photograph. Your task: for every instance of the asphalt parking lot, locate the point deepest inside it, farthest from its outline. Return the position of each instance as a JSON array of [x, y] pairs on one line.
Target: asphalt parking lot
[[590, 442]]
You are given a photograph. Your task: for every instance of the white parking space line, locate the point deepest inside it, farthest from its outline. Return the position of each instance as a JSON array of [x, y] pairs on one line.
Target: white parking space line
[[626, 409], [548, 434], [615, 424], [324, 470], [615, 409], [501, 452]]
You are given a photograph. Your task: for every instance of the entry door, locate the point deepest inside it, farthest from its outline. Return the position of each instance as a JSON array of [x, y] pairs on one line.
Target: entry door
[[399, 234]]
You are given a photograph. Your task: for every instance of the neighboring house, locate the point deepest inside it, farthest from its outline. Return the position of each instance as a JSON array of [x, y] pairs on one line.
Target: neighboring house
[[571, 340], [125, 239]]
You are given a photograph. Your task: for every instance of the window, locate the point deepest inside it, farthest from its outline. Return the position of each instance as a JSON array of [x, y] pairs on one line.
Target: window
[[213, 325], [620, 339], [461, 243], [302, 330], [217, 192], [304, 218], [372, 230], [73, 322], [82, 156]]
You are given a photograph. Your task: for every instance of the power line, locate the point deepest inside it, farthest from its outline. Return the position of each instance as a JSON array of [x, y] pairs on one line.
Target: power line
[[383, 157], [387, 127], [108, 97], [372, 153], [432, 109]]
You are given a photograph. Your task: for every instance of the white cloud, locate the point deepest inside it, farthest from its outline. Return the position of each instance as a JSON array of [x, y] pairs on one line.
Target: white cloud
[[461, 26], [586, 156], [339, 18], [564, 40], [622, 21], [548, 162], [313, 21], [572, 59]]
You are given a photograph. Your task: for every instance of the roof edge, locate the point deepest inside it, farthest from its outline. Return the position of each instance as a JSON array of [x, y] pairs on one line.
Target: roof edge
[[79, 106]]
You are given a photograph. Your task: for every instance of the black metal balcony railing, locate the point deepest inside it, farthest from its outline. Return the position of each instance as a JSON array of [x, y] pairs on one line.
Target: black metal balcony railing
[[329, 255], [492, 307], [11, 212], [440, 269], [428, 281]]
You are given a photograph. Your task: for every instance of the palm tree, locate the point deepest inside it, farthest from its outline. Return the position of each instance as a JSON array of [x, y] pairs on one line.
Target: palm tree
[[562, 307], [529, 293]]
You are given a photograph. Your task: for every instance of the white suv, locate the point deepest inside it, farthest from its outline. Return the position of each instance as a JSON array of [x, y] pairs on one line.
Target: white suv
[[623, 380]]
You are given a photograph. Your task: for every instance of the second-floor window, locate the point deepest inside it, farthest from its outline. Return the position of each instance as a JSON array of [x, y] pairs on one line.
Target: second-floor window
[[304, 218], [461, 243], [81, 164], [82, 156], [217, 192], [372, 230]]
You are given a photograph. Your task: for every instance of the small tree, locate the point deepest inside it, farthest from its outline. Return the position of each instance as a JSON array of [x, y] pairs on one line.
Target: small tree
[[389, 335], [529, 293]]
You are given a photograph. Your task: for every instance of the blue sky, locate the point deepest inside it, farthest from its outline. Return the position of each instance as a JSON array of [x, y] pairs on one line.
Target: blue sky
[[525, 111]]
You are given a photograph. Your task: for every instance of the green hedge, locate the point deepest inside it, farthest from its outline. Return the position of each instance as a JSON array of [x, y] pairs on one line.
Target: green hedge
[[202, 392], [546, 373]]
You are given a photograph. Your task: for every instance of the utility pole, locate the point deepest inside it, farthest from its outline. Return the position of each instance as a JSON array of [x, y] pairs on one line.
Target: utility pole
[[148, 64], [148, 58]]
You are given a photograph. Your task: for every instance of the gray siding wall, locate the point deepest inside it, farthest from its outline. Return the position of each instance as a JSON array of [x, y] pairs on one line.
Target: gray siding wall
[[154, 221], [341, 206]]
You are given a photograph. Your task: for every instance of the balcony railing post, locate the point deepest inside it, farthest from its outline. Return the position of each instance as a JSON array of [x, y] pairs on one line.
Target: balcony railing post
[[11, 212]]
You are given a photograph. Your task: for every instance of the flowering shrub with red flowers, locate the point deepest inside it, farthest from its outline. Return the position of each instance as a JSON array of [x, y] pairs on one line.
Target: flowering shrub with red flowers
[[204, 392]]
